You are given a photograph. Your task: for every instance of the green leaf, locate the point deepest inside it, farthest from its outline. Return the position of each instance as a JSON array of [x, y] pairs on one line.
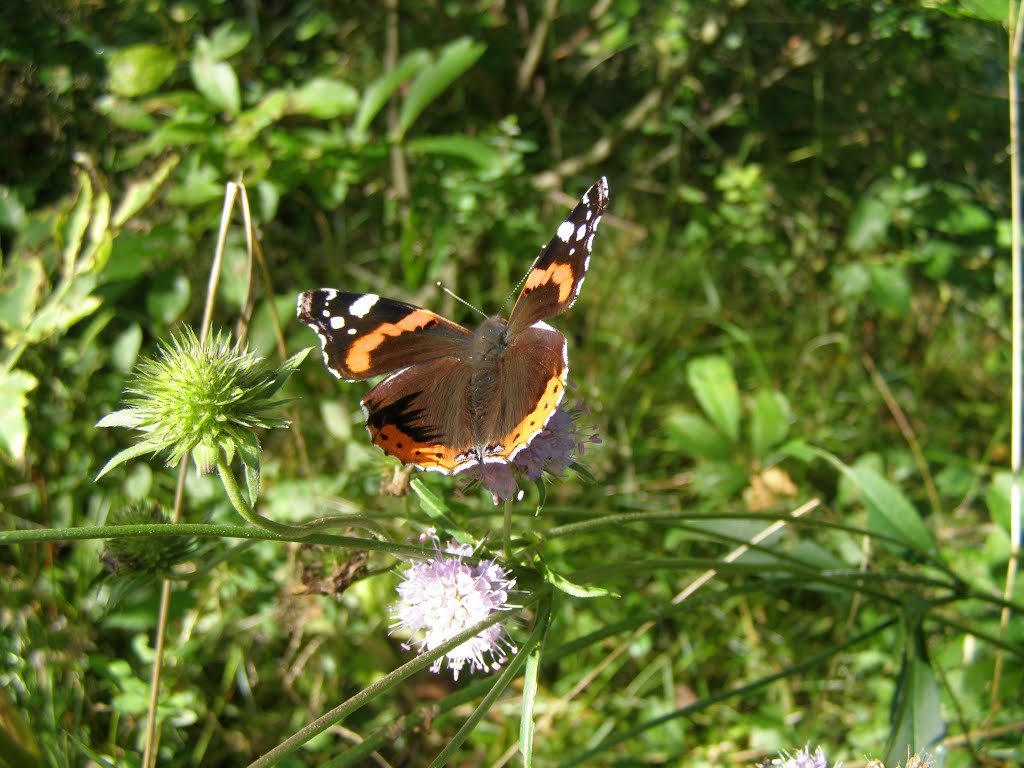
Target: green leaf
[[695, 436], [139, 69], [21, 291], [714, 385], [139, 194], [217, 81], [869, 222], [916, 722], [64, 309], [485, 156], [229, 38], [77, 222], [890, 289], [890, 513], [430, 502], [380, 90], [576, 590], [454, 60], [126, 417], [769, 421], [168, 298], [287, 368], [125, 349], [139, 449], [14, 388], [324, 98]]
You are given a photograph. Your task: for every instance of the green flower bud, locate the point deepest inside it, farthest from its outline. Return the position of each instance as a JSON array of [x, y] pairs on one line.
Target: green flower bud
[[203, 399], [149, 554]]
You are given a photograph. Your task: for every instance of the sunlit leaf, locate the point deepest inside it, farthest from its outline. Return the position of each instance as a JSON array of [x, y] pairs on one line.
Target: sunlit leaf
[[14, 388], [714, 386], [431, 82], [139, 69]]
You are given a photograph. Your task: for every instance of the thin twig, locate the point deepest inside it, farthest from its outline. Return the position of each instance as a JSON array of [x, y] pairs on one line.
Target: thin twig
[[532, 56], [1015, 16], [905, 429], [152, 734]]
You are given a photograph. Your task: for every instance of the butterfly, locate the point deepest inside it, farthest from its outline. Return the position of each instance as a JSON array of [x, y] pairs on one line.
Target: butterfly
[[455, 398]]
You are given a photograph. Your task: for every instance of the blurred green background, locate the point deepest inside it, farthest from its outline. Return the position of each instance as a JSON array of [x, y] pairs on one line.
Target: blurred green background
[[806, 245]]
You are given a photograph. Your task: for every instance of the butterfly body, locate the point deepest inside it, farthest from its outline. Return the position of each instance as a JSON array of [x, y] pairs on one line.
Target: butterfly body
[[453, 398]]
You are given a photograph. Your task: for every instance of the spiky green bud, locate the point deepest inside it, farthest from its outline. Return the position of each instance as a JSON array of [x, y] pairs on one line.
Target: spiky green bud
[[201, 398], [144, 555]]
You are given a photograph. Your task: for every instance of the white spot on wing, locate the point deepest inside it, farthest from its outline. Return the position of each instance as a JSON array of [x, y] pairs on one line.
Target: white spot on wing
[[581, 231], [337, 321], [564, 231], [351, 331], [363, 304]]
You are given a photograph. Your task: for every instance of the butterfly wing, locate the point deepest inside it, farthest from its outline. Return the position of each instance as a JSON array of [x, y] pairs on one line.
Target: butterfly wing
[[532, 379], [364, 335], [557, 275], [419, 416]]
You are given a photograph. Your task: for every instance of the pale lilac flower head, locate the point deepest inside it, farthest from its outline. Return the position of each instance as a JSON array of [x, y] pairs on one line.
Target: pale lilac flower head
[[804, 758], [444, 596], [552, 451]]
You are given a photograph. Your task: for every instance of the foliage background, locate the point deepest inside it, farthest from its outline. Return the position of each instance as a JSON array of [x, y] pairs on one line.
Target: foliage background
[[810, 195]]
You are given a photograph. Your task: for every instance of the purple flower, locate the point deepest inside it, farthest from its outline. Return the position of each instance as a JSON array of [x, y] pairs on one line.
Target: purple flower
[[553, 451], [444, 596], [803, 759]]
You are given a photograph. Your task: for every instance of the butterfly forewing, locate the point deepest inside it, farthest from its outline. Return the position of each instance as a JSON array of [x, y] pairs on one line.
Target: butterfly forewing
[[554, 282], [364, 335]]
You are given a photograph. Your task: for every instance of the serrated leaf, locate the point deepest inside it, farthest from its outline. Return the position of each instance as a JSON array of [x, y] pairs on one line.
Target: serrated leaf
[[14, 388], [714, 385], [324, 98], [379, 91], [769, 421], [138, 69], [454, 59], [218, 83]]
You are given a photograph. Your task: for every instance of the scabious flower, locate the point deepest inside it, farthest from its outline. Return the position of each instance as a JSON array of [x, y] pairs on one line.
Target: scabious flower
[[444, 596], [803, 759], [553, 451], [203, 398]]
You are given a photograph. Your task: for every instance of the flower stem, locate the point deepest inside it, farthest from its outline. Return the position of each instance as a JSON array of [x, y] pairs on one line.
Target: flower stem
[[244, 508]]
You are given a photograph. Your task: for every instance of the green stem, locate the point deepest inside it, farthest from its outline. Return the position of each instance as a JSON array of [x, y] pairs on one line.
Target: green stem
[[208, 531]]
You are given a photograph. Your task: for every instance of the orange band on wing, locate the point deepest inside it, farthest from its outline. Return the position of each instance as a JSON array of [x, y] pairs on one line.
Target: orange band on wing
[[440, 458], [559, 274], [358, 358], [534, 422]]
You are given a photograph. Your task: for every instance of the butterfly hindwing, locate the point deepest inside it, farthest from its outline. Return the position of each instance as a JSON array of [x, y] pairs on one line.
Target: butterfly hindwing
[[418, 415], [554, 282], [364, 335]]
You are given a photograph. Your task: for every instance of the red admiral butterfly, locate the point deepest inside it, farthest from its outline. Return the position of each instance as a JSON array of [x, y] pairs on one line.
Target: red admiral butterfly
[[455, 399]]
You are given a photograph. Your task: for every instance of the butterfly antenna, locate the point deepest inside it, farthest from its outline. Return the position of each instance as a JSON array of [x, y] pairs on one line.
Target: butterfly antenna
[[519, 285], [460, 299]]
